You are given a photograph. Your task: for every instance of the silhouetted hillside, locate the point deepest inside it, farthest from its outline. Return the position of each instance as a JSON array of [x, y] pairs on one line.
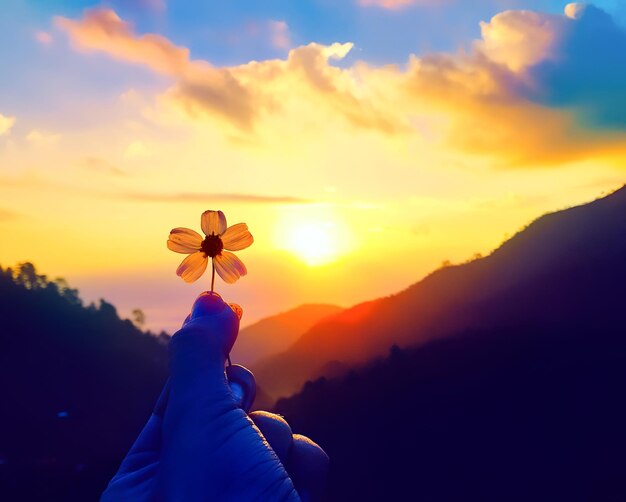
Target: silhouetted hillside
[[77, 384], [534, 413], [564, 266], [275, 334], [512, 392]]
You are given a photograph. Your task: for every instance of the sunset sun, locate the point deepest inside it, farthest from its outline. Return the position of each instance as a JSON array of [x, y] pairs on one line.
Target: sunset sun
[[313, 243]]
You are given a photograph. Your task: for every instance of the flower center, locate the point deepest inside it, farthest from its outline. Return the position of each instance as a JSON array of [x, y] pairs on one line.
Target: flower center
[[212, 245]]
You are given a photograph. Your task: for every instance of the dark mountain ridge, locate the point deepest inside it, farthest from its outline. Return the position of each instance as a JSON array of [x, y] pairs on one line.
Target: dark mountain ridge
[[524, 401], [77, 384], [519, 414], [556, 266]]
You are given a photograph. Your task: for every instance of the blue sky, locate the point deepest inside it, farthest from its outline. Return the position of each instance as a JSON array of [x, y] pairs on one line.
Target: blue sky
[[231, 33], [380, 35]]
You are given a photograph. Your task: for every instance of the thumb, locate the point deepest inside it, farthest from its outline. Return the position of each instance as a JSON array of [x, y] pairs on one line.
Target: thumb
[[200, 348], [210, 448]]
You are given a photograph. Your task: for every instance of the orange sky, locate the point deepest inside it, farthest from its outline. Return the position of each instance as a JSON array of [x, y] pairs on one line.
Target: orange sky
[[356, 179]]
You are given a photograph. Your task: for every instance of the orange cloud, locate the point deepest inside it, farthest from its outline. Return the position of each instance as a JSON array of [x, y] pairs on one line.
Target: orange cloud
[[488, 101], [493, 97], [241, 95], [103, 30]]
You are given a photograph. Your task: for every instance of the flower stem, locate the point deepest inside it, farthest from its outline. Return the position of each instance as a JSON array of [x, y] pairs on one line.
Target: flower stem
[[212, 275]]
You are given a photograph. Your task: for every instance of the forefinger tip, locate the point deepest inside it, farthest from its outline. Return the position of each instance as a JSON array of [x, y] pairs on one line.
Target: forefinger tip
[[208, 303]]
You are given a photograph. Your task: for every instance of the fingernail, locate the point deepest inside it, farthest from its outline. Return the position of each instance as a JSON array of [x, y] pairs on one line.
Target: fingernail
[[207, 304], [242, 385], [236, 309]]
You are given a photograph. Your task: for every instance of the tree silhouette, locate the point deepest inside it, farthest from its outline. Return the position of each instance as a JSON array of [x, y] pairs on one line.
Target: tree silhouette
[[77, 384], [139, 318]]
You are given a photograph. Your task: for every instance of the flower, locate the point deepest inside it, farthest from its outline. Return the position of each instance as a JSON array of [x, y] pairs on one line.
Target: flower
[[217, 243]]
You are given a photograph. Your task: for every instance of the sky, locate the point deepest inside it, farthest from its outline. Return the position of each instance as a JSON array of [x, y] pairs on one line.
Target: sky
[[364, 142]]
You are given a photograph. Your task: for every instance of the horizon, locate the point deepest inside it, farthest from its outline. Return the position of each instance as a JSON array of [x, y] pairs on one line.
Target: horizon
[[407, 135]]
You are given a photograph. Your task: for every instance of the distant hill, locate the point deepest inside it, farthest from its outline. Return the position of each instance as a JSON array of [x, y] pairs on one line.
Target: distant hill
[[566, 265], [77, 384], [275, 334]]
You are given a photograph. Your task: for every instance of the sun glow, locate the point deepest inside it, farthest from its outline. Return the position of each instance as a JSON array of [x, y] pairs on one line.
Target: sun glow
[[315, 242]]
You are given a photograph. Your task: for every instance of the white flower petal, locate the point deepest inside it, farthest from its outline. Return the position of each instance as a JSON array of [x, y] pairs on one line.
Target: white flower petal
[[184, 240], [237, 237], [229, 267], [213, 222], [192, 267]]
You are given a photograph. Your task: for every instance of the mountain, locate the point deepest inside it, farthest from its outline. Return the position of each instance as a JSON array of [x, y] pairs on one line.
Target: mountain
[[533, 413], [560, 267], [275, 334], [77, 384]]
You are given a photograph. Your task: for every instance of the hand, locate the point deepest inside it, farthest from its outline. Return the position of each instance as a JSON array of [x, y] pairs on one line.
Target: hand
[[199, 444]]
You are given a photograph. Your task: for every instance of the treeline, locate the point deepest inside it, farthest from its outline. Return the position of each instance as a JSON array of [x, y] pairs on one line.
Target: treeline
[[25, 275], [77, 383], [526, 413]]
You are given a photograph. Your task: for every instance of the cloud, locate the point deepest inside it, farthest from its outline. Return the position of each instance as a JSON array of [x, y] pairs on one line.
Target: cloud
[[216, 197], [306, 84], [536, 88], [239, 95], [572, 62], [520, 39], [6, 123], [103, 30], [587, 74], [199, 83]]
